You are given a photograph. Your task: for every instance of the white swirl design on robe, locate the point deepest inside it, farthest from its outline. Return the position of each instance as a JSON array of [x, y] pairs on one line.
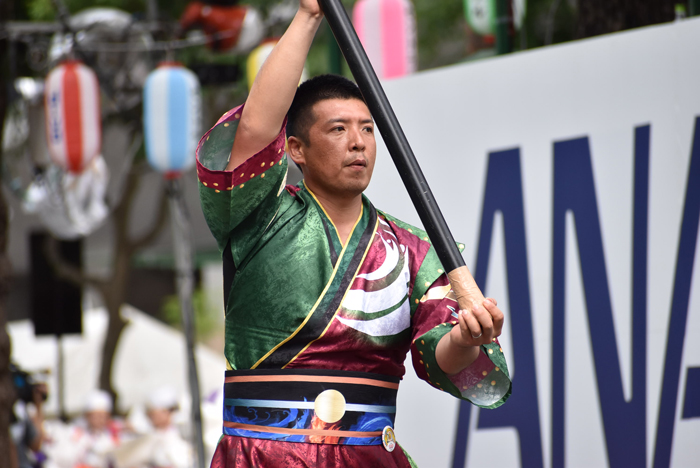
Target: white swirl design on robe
[[392, 296]]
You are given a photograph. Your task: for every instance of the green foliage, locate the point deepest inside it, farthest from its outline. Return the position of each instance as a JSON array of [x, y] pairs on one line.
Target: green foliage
[[207, 317], [559, 15], [442, 37], [40, 10]]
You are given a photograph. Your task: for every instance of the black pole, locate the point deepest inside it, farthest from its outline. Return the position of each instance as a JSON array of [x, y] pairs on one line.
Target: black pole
[[393, 135]]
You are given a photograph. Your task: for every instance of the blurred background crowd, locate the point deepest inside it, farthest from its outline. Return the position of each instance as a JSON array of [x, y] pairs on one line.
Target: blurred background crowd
[[153, 435]]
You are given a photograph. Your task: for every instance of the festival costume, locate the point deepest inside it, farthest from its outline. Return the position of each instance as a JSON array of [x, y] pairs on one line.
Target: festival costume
[[317, 331]]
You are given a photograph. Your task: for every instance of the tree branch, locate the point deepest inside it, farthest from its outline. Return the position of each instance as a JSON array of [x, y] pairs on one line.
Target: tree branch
[[65, 270], [157, 225], [122, 174]]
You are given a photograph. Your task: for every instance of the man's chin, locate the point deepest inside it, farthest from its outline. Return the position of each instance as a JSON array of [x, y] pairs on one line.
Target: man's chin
[[359, 186], [348, 188], [351, 190]]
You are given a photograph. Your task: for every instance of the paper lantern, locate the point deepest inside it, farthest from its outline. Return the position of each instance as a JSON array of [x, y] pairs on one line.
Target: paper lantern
[[73, 121], [258, 56], [231, 28], [97, 31], [387, 30], [171, 117], [481, 15]]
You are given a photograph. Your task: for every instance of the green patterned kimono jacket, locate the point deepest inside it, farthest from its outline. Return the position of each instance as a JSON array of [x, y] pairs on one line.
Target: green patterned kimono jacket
[[300, 299]]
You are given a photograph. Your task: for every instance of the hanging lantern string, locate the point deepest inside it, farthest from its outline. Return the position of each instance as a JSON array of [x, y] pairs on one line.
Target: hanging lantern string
[[158, 45], [143, 47]]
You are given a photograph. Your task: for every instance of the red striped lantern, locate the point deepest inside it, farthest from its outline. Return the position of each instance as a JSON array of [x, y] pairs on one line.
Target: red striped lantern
[[73, 121]]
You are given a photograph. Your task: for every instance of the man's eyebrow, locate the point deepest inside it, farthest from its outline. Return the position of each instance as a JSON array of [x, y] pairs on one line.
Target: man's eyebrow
[[345, 120]]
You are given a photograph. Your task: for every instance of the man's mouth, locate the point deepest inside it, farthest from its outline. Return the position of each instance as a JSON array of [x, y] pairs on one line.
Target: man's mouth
[[359, 162]]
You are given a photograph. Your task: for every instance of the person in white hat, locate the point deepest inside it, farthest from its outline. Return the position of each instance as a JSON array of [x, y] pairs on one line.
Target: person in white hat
[[161, 405], [162, 446], [89, 442]]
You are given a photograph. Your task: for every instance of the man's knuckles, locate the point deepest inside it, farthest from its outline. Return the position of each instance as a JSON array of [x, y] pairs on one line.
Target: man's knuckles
[[484, 317]]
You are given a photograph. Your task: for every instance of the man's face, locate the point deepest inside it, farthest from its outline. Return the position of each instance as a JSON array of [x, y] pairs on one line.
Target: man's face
[[339, 159], [97, 420], [160, 418]]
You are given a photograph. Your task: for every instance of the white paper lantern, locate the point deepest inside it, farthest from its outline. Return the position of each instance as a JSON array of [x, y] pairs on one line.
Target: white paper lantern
[[171, 117]]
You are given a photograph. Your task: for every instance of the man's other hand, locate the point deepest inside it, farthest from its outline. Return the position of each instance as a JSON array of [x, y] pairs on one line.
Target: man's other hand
[[478, 326]]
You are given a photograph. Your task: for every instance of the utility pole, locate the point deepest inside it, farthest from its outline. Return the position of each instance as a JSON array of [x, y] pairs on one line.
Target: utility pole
[[182, 243]]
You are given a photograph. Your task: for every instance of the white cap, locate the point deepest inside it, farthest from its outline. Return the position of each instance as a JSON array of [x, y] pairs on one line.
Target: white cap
[[162, 398], [98, 400]]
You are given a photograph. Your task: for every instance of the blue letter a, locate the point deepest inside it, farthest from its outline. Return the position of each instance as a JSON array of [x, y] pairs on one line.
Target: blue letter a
[[679, 312], [504, 193]]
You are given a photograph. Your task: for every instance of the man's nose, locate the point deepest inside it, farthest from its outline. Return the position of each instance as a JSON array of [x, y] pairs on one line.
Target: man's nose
[[357, 143]]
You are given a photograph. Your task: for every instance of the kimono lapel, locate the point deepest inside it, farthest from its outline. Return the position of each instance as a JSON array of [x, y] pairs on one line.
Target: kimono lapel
[[332, 235], [346, 266]]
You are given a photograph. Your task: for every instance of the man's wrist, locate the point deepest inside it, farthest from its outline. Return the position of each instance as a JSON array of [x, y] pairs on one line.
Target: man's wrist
[[309, 17], [457, 340], [454, 358]]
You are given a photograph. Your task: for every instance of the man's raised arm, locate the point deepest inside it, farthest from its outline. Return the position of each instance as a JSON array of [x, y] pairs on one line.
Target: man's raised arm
[[274, 87]]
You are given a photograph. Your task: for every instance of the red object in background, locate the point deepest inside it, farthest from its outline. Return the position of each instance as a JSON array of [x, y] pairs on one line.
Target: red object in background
[[223, 22], [73, 117], [489, 39]]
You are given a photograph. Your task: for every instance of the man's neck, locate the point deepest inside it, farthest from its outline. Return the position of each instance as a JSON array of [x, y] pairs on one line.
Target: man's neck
[[344, 212]]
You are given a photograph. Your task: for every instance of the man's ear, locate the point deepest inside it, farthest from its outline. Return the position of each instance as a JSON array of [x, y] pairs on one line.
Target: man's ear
[[295, 150]]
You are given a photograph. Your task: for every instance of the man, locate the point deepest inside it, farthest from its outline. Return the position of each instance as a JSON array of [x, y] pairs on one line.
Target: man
[[325, 295]]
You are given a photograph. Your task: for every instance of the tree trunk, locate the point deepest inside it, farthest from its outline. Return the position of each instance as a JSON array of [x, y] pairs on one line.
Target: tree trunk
[[114, 290], [113, 294], [7, 392], [115, 328]]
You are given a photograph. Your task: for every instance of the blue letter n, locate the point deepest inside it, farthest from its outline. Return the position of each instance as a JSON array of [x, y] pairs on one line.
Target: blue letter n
[[574, 191]]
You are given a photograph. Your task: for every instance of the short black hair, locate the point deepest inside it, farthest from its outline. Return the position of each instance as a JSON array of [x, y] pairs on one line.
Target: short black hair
[[319, 88]]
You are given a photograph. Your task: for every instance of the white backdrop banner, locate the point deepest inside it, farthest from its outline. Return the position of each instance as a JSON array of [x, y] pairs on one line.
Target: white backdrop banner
[[572, 173]]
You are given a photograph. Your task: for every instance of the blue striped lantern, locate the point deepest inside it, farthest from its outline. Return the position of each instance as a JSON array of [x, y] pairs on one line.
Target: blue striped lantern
[[171, 116]]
